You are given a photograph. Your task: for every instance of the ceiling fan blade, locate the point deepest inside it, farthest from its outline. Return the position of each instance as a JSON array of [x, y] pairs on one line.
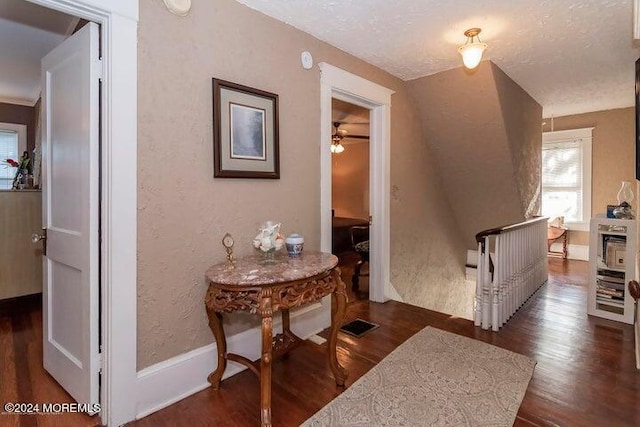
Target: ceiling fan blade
[[354, 123], [356, 136]]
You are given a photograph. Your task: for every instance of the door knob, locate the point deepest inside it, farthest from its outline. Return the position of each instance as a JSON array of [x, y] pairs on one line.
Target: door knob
[[35, 238]]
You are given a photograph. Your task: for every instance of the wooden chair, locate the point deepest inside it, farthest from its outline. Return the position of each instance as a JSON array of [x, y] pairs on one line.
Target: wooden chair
[[360, 244], [555, 233]]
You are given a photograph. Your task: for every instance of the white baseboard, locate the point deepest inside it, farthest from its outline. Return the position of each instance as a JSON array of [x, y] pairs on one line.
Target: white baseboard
[[167, 382], [392, 294], [577, 252]]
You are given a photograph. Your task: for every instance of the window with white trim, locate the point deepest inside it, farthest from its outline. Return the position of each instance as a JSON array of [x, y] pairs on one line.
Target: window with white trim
[[13, 142], [566, 176]]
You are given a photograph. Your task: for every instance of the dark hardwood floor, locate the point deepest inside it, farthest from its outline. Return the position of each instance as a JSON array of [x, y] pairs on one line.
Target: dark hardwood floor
[[585, 374], [22, 377]]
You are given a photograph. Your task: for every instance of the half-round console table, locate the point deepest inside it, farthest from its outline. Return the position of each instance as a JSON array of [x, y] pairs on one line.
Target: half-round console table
[[264, 290]]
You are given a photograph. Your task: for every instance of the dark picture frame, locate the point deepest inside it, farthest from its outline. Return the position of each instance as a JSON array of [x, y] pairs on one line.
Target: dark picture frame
[[245, 132]]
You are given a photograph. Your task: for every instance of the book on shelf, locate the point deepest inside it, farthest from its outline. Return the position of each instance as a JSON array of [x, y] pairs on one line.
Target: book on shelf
[[614, 250], [609, 298], [611, 274], [613, 279], [611, 302], [603, 283], [606, 294]]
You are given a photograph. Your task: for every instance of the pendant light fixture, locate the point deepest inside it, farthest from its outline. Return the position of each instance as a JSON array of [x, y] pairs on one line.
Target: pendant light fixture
[[472, 49]]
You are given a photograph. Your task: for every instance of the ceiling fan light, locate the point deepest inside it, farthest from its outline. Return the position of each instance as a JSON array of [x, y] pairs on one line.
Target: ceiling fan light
[[472, 54], [336, 146]]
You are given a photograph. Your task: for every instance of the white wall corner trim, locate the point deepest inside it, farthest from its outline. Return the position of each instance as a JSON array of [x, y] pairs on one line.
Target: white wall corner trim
[[172, 380], [343, 85]]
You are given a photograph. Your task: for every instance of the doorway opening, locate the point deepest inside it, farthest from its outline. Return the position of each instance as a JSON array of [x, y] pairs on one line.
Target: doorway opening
[[339, 84], [350, 209], [31, 32]]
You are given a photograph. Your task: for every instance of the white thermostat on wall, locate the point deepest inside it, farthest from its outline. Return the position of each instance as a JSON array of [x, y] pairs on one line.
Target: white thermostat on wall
[[307, 60]]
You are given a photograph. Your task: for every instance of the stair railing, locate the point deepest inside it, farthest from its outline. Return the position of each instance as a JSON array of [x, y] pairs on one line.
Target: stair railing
[[516, 271]]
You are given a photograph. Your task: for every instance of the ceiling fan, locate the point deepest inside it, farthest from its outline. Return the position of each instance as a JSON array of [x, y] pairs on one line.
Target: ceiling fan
[[339, 135]]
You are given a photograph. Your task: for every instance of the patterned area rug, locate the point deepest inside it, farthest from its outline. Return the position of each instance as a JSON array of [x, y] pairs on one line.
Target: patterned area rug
[[435, 378]]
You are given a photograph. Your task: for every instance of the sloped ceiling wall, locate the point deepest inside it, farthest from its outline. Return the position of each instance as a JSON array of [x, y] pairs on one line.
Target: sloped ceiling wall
[[485, 133], [522, 118]]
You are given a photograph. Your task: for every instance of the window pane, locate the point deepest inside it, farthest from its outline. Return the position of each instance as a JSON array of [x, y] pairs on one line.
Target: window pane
[[562, 165], [8, 150], [562, 203]]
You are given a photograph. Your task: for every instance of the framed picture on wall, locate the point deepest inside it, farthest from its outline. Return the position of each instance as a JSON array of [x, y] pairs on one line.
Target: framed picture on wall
[[245, 132]]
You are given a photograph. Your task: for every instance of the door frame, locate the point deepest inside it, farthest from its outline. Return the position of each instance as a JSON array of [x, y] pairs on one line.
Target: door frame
[[119, 38], [345, 86]]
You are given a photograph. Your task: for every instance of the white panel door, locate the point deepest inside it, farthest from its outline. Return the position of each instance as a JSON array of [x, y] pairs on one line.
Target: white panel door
[[70, 193]]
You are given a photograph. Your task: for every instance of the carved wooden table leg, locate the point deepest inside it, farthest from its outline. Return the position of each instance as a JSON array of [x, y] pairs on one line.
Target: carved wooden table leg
[[340, 296], [265, 360], [286, 321], [215, 323]]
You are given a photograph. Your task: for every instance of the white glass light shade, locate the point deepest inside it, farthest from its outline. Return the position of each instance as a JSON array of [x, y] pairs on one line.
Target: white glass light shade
[[472, 54], [337, 148]]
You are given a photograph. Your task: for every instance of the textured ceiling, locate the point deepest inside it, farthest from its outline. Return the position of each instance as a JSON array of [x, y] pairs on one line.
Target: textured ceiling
[[571, 56], [27, 33]]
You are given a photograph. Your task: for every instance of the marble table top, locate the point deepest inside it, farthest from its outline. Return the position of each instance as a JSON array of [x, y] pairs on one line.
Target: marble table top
[[249, 271]]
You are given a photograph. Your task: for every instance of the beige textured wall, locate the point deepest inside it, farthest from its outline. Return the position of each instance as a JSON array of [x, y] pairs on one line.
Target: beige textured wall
[[479, 126], [521, 116], [20, 260], [183, 212], [427, 251], [613, 157], [350, 181]]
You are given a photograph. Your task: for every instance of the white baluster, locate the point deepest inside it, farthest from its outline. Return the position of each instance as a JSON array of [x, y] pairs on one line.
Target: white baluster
[[486, 293], [477, 316], [514, 273], [495, 307], [509, 278], [503, 259]]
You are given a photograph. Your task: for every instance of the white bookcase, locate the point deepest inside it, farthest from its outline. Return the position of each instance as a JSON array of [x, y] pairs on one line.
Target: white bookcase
[[613, 257]]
